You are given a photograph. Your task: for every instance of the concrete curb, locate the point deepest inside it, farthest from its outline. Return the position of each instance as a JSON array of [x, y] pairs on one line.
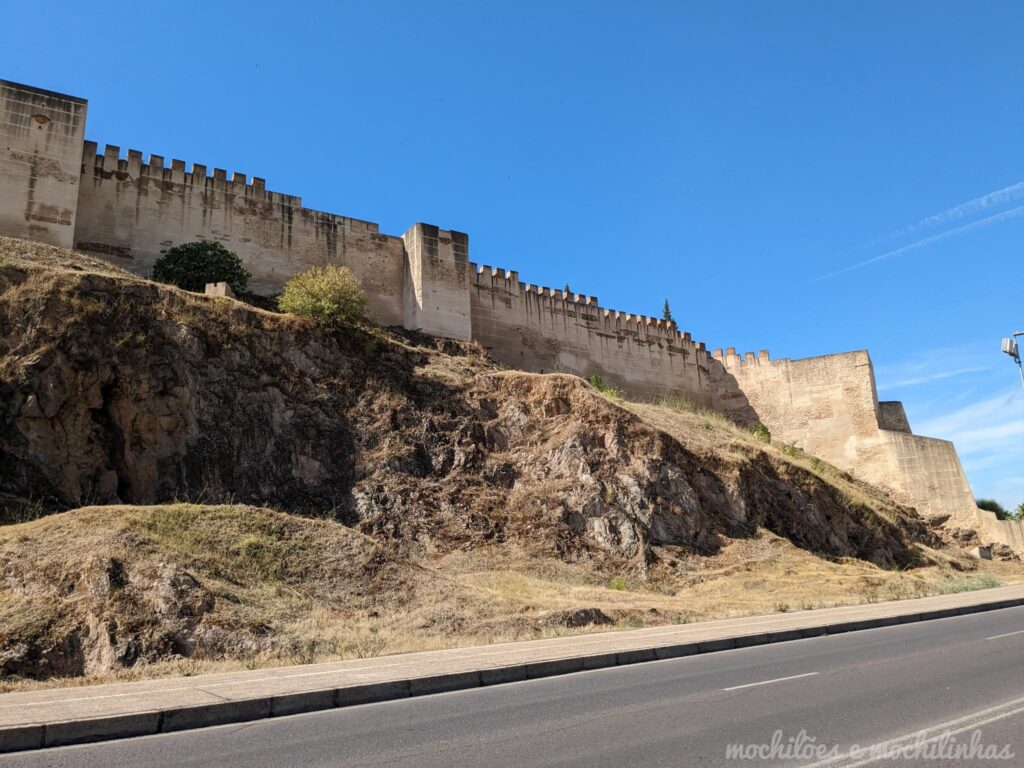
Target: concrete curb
[[62, 733]]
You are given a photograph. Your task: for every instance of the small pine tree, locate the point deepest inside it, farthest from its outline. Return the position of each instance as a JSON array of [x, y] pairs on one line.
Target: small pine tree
[[666, 313], [567, 291], [192, 265]]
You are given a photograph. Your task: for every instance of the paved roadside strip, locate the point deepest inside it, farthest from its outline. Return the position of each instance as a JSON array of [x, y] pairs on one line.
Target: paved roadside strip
[[60, 716]]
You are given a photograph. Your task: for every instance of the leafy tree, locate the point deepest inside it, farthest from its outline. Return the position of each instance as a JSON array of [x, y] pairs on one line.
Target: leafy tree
[[1018, 513], [567, 291], [666, 313], [994, 506], [331, 296], [192, 265]]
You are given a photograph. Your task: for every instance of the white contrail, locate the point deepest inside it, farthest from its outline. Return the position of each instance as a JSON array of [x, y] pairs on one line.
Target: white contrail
[[977, 205], [999, 197], [993, 219]]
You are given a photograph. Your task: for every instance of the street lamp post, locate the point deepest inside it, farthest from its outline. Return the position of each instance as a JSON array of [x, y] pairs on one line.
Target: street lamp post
[[1011, 348]]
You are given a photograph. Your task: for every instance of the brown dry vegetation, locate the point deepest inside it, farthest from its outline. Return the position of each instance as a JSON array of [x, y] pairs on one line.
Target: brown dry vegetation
[[425, 498], [183, 589]]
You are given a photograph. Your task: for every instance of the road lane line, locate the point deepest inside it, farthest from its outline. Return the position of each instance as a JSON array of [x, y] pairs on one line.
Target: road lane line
[[1007, 634], [924, 736], [769, 682]]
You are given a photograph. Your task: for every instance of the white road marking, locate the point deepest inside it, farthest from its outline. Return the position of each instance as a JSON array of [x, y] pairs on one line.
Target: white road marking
[[769, 682], [934, 733], [996, 637]]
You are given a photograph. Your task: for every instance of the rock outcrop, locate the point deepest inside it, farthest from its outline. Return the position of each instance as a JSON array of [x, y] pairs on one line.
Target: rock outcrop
[[115, 390], [118, 390]]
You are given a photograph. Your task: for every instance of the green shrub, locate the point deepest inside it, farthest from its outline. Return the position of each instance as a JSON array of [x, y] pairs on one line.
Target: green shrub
[[995, 507], [970, 584], [677, 404], [762, 434], [329, 295], [192, 265], [605, 389], [617, 583]]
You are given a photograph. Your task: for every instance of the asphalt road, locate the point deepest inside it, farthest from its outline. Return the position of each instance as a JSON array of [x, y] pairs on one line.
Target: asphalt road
[[957, 676]]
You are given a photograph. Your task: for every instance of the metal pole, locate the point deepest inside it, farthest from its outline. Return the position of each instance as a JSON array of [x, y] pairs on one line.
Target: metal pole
[[1020, 367]]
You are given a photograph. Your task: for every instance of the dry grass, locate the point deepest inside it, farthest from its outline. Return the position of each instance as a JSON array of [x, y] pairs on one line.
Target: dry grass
[[704, 430], [36, 256], [699, 429], [748, 576], [288, 589], [293, 590]]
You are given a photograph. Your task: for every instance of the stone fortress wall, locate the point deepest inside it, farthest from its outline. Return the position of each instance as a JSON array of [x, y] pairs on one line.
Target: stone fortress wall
[[540, 329], [41, 137], [128, 207], [132, 207], [829, 407], [58, 188]]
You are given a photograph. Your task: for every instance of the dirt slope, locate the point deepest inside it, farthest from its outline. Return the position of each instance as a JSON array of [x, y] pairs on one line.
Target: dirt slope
[[118, 390], [115, 390], [108, 587]]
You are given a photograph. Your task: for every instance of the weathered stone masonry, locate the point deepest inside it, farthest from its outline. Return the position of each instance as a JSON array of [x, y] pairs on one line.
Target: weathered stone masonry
[[42, 160], [128, 207], [828, 406], [58, 188]]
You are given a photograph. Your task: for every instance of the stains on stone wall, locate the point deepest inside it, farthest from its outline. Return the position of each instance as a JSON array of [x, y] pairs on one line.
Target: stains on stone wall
[[40, 154], [823, 404], [128, 209], [829, 407], [541, 329], [892, 416], [437, 300], [131, 210]]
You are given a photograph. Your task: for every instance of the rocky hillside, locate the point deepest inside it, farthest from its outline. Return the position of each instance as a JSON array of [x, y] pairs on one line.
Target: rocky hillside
[[118, 391], [109, 587]]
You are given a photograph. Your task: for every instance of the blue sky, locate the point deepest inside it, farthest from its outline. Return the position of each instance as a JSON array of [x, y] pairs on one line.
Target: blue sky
[[803, 177]]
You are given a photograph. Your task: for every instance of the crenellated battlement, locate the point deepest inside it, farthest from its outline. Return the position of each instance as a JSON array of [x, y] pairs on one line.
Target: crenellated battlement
[[131, 206], [540, 328], [55, 187], [582, 305], [111, 164], [731, 359], [509, 281], [135, 167]]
